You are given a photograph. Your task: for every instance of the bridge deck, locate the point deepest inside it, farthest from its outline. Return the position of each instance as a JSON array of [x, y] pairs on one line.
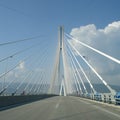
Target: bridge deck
[[62, 108]]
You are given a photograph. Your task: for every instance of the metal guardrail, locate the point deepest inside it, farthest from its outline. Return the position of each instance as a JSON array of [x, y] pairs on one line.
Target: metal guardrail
[[105, 97]]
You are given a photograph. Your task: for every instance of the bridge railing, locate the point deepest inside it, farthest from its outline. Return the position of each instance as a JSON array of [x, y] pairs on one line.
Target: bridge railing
[[101, 97]]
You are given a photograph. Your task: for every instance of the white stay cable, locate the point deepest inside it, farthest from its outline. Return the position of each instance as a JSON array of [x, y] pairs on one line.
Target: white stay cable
[[99, 52], [104, 82], [77, 84], [55, 71], [68, 60], [40, 85], [70, 78], [21, 83], [77, 72], [29, 82], [82, 69], [43, 84], [76, 79]]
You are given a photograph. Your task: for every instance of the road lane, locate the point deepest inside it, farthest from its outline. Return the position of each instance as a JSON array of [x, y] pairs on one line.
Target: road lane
[[61, 108]]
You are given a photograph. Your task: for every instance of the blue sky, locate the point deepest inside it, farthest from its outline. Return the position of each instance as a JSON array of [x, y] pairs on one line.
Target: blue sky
[[21, 19], [24, 18]]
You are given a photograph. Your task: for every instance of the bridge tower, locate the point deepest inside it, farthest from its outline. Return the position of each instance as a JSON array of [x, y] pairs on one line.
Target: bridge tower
[[59, 77]]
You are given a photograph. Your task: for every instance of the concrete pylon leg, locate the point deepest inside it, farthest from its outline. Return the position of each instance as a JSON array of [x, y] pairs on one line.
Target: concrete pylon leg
[[59, 66]]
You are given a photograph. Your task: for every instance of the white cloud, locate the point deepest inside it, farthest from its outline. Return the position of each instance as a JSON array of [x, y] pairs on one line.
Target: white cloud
[[113, 27], [21, 66], [18, 72], [106, 40]]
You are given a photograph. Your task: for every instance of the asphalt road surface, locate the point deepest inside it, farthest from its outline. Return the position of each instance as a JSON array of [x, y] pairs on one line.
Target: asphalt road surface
[[62, 108]]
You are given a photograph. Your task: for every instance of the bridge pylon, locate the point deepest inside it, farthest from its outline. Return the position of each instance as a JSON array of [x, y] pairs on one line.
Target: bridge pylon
[[59, 67]]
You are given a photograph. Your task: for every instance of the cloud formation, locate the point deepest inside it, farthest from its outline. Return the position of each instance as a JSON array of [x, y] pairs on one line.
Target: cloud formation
[[21, 66], [18, 72], [106, 40]]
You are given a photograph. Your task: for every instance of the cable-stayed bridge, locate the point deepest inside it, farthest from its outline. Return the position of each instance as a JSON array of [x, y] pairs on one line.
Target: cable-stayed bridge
[[28, 71]]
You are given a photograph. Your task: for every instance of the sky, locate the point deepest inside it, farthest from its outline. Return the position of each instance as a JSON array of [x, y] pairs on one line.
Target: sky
[[21, 19], [24, 18]]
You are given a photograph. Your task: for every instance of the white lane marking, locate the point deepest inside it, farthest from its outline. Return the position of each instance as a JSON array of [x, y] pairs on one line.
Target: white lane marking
[[57, 105]]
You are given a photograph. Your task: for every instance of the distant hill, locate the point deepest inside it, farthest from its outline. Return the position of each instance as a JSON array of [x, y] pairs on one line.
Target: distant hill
[[102, 88], [98, 87]]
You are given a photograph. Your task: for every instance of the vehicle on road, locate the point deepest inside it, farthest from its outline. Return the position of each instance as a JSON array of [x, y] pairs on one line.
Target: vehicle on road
[[117, 98]]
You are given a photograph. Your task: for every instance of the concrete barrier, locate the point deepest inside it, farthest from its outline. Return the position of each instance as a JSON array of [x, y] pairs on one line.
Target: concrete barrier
[[14, 100]]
